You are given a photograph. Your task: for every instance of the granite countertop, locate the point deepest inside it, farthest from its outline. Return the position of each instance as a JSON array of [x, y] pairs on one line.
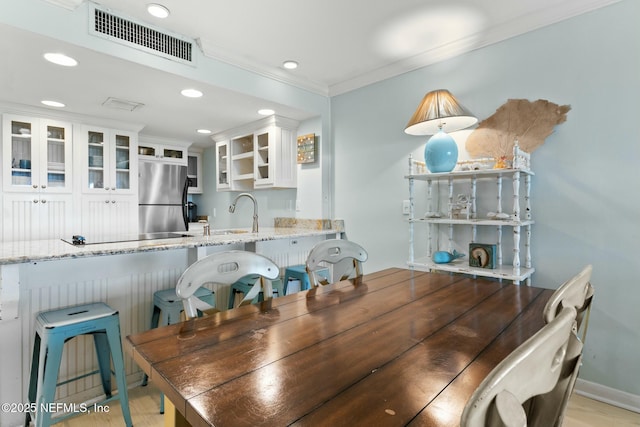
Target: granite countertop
[[46, 250]]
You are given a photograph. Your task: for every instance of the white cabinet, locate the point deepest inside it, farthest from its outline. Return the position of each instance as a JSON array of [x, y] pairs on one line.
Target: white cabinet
[[259, 155], [194, 171], [108, 160], [167, 152], [222, 166], [109, 185], [37, 155], [457, 209], [36, 216], [108, 217], [36, 164]]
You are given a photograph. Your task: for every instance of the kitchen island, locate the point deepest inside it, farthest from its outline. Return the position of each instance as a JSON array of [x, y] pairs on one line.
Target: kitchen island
[[48, 274]]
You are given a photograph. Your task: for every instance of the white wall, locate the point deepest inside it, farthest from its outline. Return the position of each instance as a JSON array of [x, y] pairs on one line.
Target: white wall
[[585, 192]]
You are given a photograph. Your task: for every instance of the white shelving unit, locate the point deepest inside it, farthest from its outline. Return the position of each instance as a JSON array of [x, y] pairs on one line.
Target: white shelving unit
[[258, 155], [436, 225]]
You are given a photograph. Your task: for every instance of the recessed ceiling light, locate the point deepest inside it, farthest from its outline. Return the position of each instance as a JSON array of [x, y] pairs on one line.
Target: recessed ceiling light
[[191, 93], [290, 65], [157, 10], [266, 112], [53, 103], [204, 131], [60, 59]]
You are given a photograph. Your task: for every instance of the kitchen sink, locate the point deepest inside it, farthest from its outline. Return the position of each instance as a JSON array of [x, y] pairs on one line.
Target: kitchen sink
[[225, 232]]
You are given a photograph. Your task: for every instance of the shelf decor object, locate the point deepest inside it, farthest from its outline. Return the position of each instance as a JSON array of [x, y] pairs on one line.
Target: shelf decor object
[[438, 112], [482, 255]]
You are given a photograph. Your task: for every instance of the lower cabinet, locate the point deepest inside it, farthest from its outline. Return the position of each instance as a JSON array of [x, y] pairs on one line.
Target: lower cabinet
[[36, 216], [109, 217]]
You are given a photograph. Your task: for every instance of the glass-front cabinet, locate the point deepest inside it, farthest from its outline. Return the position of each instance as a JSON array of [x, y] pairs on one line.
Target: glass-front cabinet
[[194, 171], [108, 160], [222, 165], [37, 182], [36, 155]]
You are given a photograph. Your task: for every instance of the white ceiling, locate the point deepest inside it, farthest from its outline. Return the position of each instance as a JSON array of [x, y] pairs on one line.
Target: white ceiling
[[340, 45]]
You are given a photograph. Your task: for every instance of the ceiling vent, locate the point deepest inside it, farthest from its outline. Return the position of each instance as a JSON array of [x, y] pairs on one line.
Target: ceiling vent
[[134, 34], [122, 104]]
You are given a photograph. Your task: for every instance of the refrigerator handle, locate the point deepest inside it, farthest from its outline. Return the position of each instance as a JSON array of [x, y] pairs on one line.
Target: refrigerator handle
[[185, 209]]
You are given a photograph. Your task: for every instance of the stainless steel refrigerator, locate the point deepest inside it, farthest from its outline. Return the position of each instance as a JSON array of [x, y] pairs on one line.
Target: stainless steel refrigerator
[[163, 197]]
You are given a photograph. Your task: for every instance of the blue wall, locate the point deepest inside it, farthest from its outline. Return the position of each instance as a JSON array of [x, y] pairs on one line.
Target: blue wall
[[585, 196]]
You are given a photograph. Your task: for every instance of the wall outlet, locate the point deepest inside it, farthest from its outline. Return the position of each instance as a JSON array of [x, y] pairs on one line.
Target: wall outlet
[[406, 207]]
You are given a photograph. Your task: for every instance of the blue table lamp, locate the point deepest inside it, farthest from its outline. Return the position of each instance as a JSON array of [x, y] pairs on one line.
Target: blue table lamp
[[438, 112]]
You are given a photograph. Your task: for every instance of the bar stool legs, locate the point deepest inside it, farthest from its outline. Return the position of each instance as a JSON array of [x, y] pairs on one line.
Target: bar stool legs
[[166, 311], [53, 329]]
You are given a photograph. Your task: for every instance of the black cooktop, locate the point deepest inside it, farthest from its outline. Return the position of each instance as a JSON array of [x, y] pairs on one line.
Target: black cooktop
[[81, 241]]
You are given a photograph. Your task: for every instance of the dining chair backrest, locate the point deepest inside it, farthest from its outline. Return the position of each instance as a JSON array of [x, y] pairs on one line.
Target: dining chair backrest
[[225, 268], [576, 292], [530, 370], [344, 255]]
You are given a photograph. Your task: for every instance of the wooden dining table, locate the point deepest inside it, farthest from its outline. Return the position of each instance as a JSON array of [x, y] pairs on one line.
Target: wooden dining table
[[396, 347]]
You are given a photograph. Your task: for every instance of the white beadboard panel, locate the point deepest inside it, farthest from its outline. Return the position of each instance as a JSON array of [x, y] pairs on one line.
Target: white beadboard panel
[[126, 283]]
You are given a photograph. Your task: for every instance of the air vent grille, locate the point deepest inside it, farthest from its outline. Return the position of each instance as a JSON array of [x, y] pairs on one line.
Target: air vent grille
[[132, 33]]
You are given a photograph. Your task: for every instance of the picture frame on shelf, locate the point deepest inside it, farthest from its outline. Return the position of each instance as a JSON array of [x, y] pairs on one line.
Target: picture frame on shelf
[[482, 255]]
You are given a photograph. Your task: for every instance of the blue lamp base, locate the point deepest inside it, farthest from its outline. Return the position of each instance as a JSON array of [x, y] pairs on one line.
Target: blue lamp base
[[441, 153]]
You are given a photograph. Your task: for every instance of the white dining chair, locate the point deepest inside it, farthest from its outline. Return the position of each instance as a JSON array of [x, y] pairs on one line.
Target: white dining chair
[[345, 256], [576, 292], [225, 268], [531, 370]]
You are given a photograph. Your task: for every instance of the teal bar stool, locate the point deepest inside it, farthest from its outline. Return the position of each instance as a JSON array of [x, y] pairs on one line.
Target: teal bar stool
[[167, 306], [245, 284], [53, 329], [166, 311], [299, 272]]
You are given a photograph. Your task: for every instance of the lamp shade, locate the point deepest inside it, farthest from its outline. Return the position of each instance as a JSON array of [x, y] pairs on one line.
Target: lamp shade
[[439, 109]]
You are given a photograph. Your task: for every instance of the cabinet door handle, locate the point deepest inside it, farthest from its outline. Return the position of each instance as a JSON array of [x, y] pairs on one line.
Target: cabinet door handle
[[43, 201], [106, 201], [35, 185], [113, 201], [35, 200], [43, 186]]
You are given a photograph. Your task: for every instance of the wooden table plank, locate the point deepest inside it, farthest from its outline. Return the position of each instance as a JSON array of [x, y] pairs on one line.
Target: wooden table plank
[[400, 346], [395, 392], [363, 347], [264, 344], [446, 408]]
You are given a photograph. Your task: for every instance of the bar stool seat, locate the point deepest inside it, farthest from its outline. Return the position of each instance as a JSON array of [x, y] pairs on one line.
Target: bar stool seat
[[167, 306], [299, 272], [246, 283], [54, 328]]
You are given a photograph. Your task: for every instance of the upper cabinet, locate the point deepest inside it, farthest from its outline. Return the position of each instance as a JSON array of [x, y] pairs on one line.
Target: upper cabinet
[[37, 200], [166, 151], [108, 160], [259, 155], [194, 171], [37, 155]]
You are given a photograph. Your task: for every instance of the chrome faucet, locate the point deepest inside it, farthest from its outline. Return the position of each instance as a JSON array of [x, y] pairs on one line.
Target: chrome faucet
[[232, 208]]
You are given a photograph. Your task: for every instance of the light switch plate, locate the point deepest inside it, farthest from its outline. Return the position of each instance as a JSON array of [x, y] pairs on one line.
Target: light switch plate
[[406, 207]]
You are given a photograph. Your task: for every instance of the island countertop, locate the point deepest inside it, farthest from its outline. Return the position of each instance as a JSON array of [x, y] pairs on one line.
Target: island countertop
[[55, 249]]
